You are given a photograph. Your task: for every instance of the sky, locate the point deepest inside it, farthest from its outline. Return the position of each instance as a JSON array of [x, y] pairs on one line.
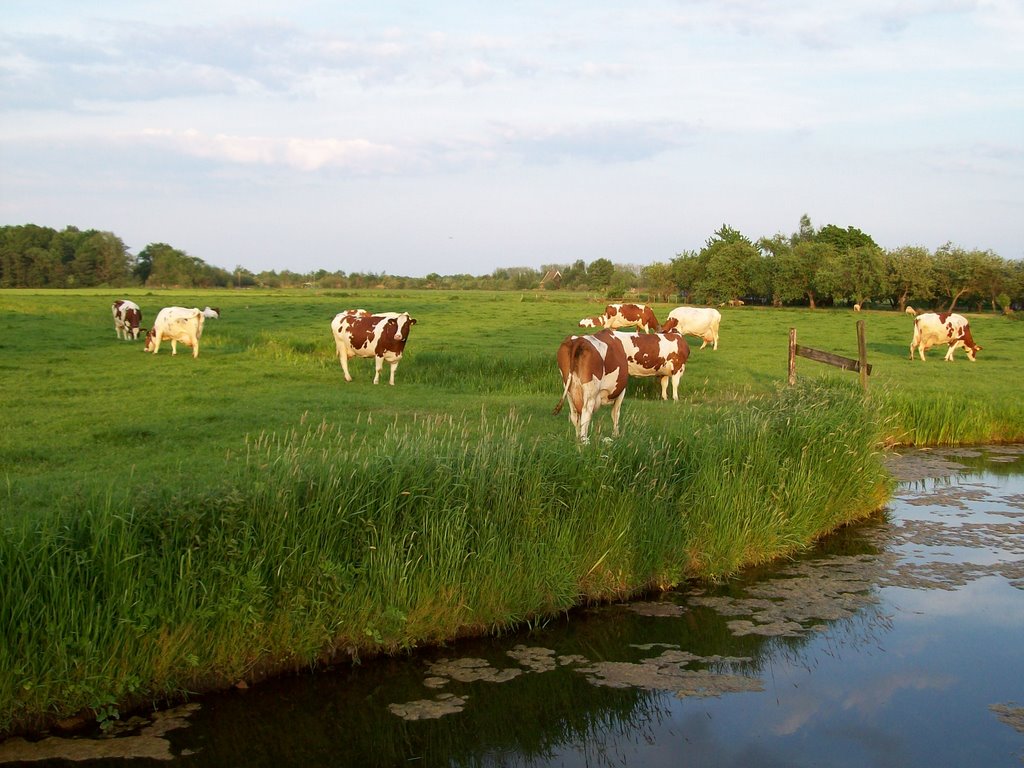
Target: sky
[[457, 137]]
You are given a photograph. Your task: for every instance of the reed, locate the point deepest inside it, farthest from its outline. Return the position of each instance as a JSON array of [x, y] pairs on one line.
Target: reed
[[323, 542]]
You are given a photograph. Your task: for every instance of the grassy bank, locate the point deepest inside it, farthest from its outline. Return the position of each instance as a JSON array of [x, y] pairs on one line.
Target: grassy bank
[[172, 525], [320, 543]]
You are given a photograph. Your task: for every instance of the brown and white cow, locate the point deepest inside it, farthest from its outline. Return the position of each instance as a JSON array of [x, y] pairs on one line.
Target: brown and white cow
[[127, 317], [701, 322], [594, 373], [932, 329], [176, 324], [382, 336], [656, 354], [622, 316]]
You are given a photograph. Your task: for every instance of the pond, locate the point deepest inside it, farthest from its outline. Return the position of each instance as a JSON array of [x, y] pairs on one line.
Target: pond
[[895, 642]]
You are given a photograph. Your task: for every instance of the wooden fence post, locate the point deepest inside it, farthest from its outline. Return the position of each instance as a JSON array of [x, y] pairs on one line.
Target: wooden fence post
[[792, 356], [862, 355]]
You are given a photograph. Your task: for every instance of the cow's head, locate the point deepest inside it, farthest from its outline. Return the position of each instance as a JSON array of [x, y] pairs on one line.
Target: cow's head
[[972, 352], [402, 325], [669, 326], [147, 345]]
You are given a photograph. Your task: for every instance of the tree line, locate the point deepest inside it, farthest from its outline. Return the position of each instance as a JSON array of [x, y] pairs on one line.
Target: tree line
[[811, 267]]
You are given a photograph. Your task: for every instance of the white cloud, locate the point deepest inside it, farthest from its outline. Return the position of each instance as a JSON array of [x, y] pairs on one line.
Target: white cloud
[[357, 155]]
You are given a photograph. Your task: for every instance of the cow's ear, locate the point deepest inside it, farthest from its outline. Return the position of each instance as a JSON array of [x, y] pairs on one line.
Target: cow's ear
[[412, 320]]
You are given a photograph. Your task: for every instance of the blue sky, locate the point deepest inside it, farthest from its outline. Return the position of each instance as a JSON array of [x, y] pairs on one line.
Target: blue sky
[[458, 137]]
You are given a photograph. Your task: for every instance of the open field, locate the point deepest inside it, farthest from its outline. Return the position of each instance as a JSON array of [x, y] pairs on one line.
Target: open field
[[172, 524], [83, 408]]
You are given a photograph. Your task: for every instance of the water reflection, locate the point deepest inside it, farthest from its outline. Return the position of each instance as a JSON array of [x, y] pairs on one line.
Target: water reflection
[[896, 642]]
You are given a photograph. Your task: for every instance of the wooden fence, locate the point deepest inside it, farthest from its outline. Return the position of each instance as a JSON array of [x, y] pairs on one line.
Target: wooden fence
[[847, 364]]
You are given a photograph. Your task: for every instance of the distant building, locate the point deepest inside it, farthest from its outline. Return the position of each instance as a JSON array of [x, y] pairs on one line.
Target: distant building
[[551, 279]]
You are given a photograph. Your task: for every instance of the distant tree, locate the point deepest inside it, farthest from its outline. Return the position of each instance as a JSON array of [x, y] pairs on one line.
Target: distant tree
[[773, 250], [844, 239], [575, 275], [599, 273], [657, 279], [798, 270], [729, 265], [909, 275], [855, 274], [959, 272], [990, 277], [101, 258], [687, 271], [805, 232]]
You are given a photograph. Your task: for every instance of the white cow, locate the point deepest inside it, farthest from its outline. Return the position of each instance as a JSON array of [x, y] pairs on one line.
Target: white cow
[[176, 324], [931, 329], [127, 317], [695, 321], [211, 313]]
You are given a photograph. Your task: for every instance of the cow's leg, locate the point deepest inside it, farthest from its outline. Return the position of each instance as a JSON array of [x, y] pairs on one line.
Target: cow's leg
[[378, 364], [195, 349], [343, 356], [174, 346], [715, 346], [583, 425], [663, 380], [705, 342], [157, 338], [394, 365], [616, 408], [675, 383]]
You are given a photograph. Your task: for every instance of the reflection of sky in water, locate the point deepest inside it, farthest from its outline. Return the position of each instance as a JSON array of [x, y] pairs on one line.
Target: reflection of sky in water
[[913, 691]]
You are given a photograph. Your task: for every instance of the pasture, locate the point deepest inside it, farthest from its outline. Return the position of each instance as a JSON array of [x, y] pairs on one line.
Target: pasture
[[174, 524], [85, 409]]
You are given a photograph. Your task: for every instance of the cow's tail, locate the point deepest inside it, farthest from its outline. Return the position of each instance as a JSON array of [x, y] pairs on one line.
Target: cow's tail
[[565, 390]]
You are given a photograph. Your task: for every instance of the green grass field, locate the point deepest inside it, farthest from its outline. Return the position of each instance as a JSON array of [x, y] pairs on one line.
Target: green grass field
[[82, 408], [172, 524]]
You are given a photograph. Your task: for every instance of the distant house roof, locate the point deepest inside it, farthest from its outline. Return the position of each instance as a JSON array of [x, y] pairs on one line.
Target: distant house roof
[[552, 276]]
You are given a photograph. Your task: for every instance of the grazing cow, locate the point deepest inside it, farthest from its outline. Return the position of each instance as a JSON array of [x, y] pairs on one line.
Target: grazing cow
[[176, 324], [127, 317], [656, 354], [211, 313], [594, 373], [856, 307], [695, 321], [622, 315], [931, 329], [382, 336]]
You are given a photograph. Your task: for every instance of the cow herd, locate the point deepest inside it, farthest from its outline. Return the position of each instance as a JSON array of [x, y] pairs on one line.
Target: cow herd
[[595, 368], [175, 324]]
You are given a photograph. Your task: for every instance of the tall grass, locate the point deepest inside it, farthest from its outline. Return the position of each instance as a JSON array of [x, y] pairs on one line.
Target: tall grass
[[324, 541]]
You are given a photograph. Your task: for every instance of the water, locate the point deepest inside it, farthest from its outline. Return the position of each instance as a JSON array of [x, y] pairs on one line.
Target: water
[[895, 643]]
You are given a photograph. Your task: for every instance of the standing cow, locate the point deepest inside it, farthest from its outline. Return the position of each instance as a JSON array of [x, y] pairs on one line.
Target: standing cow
[[622, 316], [656, 354], [177, 324], [127, 317], [702, 322], [594, 373], [381, 336], [931, 329]]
